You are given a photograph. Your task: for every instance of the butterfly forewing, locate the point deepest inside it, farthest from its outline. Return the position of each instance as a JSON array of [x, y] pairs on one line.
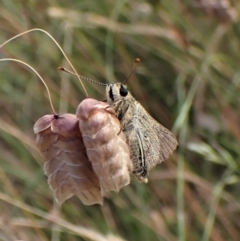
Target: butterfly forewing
[[162, 141]]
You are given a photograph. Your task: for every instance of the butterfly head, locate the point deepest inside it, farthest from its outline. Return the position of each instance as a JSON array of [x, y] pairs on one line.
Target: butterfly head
[[115, 92]]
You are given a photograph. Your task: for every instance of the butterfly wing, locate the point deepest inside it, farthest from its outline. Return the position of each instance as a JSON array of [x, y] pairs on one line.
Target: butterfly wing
[[160, 138], [149, 142]]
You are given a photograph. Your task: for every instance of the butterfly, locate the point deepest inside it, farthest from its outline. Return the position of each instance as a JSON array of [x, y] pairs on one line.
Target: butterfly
[[149, 142]]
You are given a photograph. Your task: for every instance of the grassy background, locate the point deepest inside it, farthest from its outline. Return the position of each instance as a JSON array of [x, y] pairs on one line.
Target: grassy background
[[188, 79]]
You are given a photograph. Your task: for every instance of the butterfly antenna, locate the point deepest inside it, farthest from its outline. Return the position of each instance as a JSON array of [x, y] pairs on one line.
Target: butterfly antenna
[[52, 38], [137, 60], [82, 77]]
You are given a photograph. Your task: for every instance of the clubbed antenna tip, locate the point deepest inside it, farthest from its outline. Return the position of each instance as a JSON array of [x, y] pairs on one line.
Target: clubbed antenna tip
[[137, 60], [60, 68]]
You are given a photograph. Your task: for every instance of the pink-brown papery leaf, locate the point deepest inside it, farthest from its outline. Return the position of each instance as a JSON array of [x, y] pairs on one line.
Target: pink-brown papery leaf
[[105, 143], [65, 160]]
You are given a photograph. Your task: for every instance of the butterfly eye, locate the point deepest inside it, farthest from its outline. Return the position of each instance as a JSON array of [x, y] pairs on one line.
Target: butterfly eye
[[123, 91]]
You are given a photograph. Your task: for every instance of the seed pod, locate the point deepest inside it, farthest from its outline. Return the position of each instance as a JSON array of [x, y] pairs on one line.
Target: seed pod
[[105, 143], [65, 160]]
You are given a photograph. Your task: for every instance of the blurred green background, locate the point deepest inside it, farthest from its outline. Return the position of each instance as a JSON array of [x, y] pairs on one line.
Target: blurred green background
[[188, 79]]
